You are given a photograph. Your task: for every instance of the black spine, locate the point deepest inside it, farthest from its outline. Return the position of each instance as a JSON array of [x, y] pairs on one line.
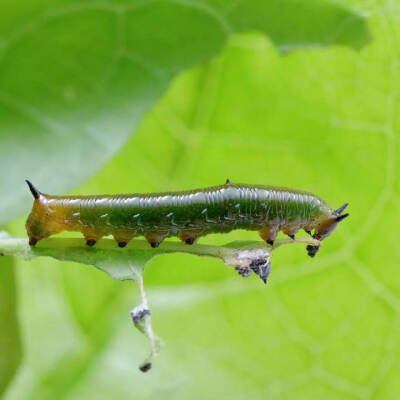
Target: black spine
[[34, 191]]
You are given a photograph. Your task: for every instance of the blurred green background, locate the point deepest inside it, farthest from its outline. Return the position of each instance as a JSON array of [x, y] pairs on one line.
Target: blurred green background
[[133, 96]]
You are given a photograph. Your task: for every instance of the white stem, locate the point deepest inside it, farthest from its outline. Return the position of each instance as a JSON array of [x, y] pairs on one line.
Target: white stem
[[141, 316], [154, 341]]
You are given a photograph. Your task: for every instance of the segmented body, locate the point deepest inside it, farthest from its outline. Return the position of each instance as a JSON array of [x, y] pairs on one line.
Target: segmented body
[[217, 209], [187, 214]]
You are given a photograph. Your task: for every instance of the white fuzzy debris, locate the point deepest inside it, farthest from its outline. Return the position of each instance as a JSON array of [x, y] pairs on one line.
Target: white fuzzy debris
[[251, 260], [243, 258]]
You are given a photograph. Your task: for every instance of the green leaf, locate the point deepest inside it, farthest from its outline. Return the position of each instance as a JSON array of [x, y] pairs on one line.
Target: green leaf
[[76, 79], [10, 342], [325, 121], [129, 263]]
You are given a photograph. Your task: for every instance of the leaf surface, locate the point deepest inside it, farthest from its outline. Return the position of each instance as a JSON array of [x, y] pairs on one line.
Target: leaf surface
[[10, 341], [77, 78], [324, 121]]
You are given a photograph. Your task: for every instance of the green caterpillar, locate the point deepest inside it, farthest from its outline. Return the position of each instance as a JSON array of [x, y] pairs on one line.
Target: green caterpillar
[[186, 214]]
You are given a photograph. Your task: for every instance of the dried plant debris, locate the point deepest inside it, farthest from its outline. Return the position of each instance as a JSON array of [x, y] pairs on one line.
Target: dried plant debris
[[251, 260]]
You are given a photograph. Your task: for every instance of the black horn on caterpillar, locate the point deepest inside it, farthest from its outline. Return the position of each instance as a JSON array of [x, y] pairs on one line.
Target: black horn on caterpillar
[[34, 191], [342, 217], [341, 209]]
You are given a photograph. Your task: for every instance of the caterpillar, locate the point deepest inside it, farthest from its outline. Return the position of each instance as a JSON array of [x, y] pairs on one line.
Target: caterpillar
[[187, 214]]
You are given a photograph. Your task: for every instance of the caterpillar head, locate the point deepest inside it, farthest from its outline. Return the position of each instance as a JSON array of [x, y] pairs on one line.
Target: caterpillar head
[[328, 225], [39, 225]]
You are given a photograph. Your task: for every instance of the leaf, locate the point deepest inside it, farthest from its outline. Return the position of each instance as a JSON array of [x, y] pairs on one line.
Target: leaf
[[76, 79], [130, 262], [325, 121], [10, 342]]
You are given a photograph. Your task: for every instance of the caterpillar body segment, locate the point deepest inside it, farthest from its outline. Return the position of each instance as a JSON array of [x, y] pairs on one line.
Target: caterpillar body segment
[[187, 214]]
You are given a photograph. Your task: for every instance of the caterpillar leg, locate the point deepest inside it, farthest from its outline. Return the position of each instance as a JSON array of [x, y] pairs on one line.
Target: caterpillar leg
[[155, 238], [291, 232], [312, 250], [308, 229], [32, 241], [123, 237], [268, 234], [92, 237], [190, 236]]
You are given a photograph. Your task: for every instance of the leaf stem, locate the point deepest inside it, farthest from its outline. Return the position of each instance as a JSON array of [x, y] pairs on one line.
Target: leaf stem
[[57, 247]]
